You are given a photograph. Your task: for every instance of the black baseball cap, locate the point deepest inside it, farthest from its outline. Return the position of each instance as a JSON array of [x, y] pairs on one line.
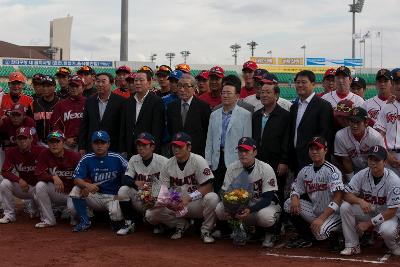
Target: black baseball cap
[[358, 81], [358, 114], [37, 78], [343, 70], [318, 141], [47, 79], [181, 139], [378, 152], [396, 74], [385, 73], [247, 143], [145, 138], [269, 78]]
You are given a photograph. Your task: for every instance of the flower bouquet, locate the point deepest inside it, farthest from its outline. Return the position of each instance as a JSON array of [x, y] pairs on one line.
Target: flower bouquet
[[146, 196], [171, 199]]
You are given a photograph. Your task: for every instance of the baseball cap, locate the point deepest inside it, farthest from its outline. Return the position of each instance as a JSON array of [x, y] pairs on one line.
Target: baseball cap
[[163, 70], [37, 78], [358, 81], [343, 70], [131, 76], [396, 74], [124, 68], [16, 77], [384, 73], [249, 65], [343, 108], [176, 74], [183, 67], [18, 108], [58, 135], [63, 71], [76, 79], [100, 136], [259, 73], [247, 143], [269, 78], [47, 79], [217, 71], [378, 152], [146, 69], [329, 72], [358, 114], [86, 70], [181, 139], [318, 141], [24, 131], [203, 75], [145, 138]]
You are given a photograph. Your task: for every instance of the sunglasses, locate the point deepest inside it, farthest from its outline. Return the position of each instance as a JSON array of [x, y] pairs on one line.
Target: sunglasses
[[55, 135]]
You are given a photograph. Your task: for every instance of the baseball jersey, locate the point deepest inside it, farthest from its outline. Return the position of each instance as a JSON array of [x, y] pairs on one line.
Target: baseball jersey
[[211, 101], [262, 177], [42, 111], [48, 166], [318, 184], [140, 172], [7, 103], [334, 99], [122, 92], [245, 92], [388, 122], [21, 165], [252, 100], [9, 130], [347, 146], [195, 173], [373, 106], [67, 116], [106, 172], [384, 195]]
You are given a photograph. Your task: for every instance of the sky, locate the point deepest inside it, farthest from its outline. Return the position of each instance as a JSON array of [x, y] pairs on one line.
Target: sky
[[207, 28]]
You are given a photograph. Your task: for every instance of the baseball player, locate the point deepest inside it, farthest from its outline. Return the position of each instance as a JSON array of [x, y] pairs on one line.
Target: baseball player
[[264, 209], [54, 174], [142, 168], [97, 180], [358, 86], [191, 173], [18, 171], [371, 201], [353, 143], [318, 216], [374, 105]]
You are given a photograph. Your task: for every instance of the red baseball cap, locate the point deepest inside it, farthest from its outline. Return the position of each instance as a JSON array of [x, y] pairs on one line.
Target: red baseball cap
[[124, 68], [183, 67], [76, 79], [131, 76], [18, 108], [217, 71], [318, 141], [250, 65], [203, 74], [24, 131], [247, 143], [16, 77], [145, 138], [329, 72]]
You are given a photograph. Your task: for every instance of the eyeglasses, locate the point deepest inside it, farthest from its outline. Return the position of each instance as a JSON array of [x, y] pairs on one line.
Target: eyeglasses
[[185, 86], [343, 108]]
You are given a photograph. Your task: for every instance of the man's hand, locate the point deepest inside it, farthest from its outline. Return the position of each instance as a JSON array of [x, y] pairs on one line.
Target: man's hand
[[316, 225], [365, 206], [59, 185], [140, 184], [24, 185], [282, 169], [295, 206], [363, 226], [91, 188], [71, 142], [243, 215]]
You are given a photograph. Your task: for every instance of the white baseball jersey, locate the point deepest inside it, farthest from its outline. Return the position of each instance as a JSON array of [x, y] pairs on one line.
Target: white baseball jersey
[[334, 99], [140, 172], [263, 178], [319, 184], [195, 173], [373, 106], [347, 146], [388, 122], [384, 195], [252, 100]]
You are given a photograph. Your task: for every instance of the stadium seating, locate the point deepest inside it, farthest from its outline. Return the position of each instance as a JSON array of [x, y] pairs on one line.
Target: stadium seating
[[6, 70], [30, 71]]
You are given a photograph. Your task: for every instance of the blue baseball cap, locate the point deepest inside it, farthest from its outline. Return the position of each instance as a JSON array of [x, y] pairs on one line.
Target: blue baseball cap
[[181, 139], [100, 136], [176, 74]]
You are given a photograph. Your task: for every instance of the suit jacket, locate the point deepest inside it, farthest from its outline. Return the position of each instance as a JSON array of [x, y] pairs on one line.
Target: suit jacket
[[150, 119], [113, 123], [316, 121], [239, 126], [272, 144], [196, 123]]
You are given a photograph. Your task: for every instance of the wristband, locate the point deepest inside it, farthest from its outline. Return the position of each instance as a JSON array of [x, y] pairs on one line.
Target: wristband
[[333, 206], [377, 220], [196, 195]]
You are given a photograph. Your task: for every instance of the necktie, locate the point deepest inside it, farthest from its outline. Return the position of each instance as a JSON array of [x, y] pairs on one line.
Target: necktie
[[184, 111]]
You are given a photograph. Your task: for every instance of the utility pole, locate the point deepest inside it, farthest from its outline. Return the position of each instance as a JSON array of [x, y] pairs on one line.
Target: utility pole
[[235, 49], [170, 56], [185, 54], [124, 31], [153, 57], [252, 45]]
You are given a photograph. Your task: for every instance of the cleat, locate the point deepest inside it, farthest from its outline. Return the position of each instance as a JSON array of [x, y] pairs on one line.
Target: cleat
[[351, 251], [82, 226], [207, 238], [129, 227], [43, 225]]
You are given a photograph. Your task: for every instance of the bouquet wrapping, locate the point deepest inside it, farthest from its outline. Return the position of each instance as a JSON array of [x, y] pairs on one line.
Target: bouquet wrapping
[[171, 199]]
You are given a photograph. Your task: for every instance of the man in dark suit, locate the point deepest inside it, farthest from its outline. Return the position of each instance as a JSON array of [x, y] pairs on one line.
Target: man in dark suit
[[309, 116], [189, 114], [144, 113], [103, 111]]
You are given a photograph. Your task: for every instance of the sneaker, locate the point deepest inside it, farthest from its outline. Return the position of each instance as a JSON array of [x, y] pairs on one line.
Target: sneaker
[[43, 225], [6, 220], [396, 251], [127, 228], [207, 238], [269, 241], [82, 226], [299, 243], [351, 251], [158, 229], [180, 229]]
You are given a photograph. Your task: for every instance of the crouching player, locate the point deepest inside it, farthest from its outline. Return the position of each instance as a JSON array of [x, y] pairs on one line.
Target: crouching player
[[18, 170], [191, 173], [54, 172], [264, 209], [142, 168], [316, 196], [98, 179], [372, 199]]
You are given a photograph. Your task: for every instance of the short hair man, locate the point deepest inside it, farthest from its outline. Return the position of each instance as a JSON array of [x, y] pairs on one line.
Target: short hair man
[[162, 75], [213, 97], [328, 81], [37, 85], [62, 76], [247, 73], [16, 83], [89, 78], [202, 82], [122, 72], [358, 86]]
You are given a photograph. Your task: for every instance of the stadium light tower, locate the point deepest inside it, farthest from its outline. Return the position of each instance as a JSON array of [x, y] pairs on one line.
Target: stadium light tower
[[235, 49], [153, 57], [185, 54], [170, 56], [123, 53], [356, 7], [252, 45]]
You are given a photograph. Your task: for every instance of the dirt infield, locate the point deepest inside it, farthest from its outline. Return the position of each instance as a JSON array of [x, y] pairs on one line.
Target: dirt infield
[[23, 245]]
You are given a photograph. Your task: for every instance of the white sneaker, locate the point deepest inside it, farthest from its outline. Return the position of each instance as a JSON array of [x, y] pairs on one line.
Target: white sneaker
[[351, 251], [269, 241], [396, 251], [43, 225], [180, 229], [128, 228], [207, 238], [6, 220]]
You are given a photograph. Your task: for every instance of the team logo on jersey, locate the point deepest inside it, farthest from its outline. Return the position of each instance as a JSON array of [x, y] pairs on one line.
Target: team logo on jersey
[[373, 113], [272, 182], [23, 168], [396, 190], [72, 115], [392, 117], [207, 171], [335, 176]]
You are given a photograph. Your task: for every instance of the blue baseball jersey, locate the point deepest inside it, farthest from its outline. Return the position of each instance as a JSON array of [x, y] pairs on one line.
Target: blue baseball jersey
[[106, 172]]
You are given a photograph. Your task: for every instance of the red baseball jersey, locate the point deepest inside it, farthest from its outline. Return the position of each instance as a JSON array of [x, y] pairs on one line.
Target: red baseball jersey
[[245, 92], [8, 130], [124, 93], [211, 101]]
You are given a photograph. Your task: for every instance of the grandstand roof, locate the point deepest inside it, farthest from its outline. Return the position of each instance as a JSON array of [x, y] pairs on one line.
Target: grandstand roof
[[17, 51]]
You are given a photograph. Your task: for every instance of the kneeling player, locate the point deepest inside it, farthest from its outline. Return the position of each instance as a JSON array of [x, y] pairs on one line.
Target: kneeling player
[[372, 199], [190, 173], [54, 173], [321, 184], [264, 209], [142, 168], [98, 178]]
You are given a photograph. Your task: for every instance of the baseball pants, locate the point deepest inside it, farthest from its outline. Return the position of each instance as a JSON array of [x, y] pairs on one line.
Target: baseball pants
[[126, 193], [265, 217], [202, 208], [352, 214], [331, 224]]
